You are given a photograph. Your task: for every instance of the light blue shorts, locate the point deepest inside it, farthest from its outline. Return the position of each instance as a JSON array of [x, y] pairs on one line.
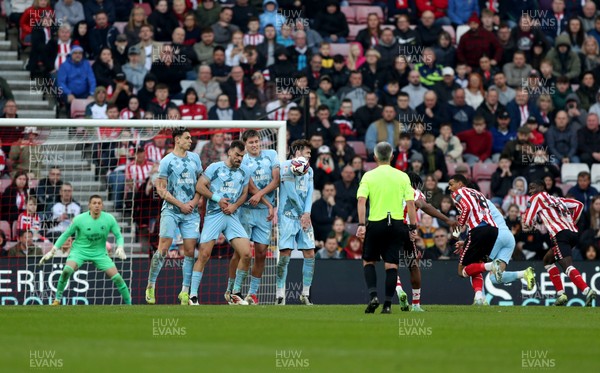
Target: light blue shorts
[[256, 225], [189, 225], [504, 246], [216, 223], [292, 236]]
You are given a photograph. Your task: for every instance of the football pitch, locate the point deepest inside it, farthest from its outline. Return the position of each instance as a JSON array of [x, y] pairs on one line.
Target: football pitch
[[298, 338]]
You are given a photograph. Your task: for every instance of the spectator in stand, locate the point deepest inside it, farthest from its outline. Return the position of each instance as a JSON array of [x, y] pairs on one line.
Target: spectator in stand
[[250, 28], [222, 110], [415, 89], [583, 191], [271, 16], [325, 169], [346, 189], [588, 141], [462, 114], [14, 11], [161, 102], [207, 13], [501, 134], [191, 109], [476, 42], [102, 35], [353, 249], [205, 47], [342, 153], [25, 247], [344, 121], [427, 30], [446, 86], [148, 47], [487, 71], [163, 21], [97, 108], [429, 71], [5, 94], [478, 142], [490, 108], [373, 75], [223, 28], [433, 194], [41, 36], [520, 109], [519, 150], [92, 7], [434, 161], [30, 220], [156, 150], [588, 89], [338, 231], [134, 70], [219, 69], [137, 19], [460, 11], [385, 129], [556, 20], [564, 60], [324, 211], [449, 144], [331, 23], [388, 48], [169, 70], [207, 88], [539, 165], [537, 138], [517, 71], [234, 52], [355, 90], [447, 208], [133, 109], [547, 112], [214, 151], [22, 155], [81, 37], [330, 249], [14, 199], [445, 51], [517, 195], [434, 112], [367, 114], [474, 91], [441, 249], [502, 180], [588, 16], [250, 109], [63, 211], [106, 69], [76, 78], [299, 52], [236, 86], [252, 62], [148, 91], [369, 36], [590, 58], [551, 187], [326, 93], [402, 152], [506, 94], [32, 17], [269, 46], [183, 54], [121, 181]]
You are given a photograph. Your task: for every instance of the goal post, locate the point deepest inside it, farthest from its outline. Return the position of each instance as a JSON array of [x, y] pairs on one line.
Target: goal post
[[76, 147]]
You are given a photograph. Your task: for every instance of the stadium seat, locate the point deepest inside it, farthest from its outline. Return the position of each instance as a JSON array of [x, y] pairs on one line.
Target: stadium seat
[[78, 107], [146, 7], [177, 102], [484, 171], [354, 30], [370, 165], [359, 2], [5, 227], [362, 13], [359, 148], [596, 173], [451, 166], [340, 48], [460, 30], [485, 186], [349, 13], [569, 171], [185, 84], [449, 29], [442, 185], [4, 183], [120, 26]]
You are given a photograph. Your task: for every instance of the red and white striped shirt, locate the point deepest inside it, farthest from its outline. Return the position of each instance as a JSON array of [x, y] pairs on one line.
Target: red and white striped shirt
[[128, 114], [557, 214], [64, 49], [153, 152], [253, 39], [279, 114], [472, 207], [138, 172], [418, 196], [26, 222]]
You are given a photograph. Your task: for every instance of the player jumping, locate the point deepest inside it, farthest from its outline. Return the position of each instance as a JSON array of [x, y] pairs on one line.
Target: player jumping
[[178, 174], [91, 229], [483, 231], [255, 216], [225, 187], [415, 271], [295, 227], [559, 215]]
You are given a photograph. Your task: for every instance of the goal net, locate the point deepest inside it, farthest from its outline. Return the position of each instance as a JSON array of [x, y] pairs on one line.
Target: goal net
[[65, 162]]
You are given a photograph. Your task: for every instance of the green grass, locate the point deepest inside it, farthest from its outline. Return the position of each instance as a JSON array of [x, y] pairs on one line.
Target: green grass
[[332, 338]]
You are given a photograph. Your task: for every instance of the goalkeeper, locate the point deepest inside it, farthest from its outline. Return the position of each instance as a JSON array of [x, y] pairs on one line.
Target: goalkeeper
[[91, 229]]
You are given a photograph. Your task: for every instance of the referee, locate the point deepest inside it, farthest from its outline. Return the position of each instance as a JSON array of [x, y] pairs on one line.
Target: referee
[[386, 188]]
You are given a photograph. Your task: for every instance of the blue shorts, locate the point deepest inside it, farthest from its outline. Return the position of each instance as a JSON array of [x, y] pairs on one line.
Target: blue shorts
[[188, 225], [256, 225], [504, 246], [292, 236], [214, 224]]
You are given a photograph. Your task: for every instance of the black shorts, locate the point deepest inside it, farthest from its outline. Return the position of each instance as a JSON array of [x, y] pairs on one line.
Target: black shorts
[[410, 249], [563, 243], [383, 241], [479, 244]]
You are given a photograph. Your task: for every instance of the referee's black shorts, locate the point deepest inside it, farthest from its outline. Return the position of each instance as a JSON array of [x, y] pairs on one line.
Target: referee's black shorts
[[563, 243], [383, 241], [479, 244]]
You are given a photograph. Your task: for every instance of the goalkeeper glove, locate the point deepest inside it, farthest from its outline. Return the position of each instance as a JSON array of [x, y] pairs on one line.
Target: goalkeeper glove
[[120, 253], [49, 255]]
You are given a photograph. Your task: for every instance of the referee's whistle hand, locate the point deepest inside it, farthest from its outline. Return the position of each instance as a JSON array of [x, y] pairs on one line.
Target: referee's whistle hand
[[360, 232]]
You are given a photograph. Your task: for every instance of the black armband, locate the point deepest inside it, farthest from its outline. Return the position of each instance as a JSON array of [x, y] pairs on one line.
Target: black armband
[[412, 227], [361, 224]]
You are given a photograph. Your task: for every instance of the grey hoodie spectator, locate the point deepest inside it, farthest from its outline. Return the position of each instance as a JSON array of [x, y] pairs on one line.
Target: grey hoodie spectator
[[224, 29], [388, 48], [517, 71], [355, 90], [134, 70], [561, 139], [564, 60], [69, 11], [207, 88], [577, 114], [416, 91]]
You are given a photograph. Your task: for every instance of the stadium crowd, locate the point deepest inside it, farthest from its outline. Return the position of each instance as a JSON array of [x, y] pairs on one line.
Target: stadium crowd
[[506, 92]]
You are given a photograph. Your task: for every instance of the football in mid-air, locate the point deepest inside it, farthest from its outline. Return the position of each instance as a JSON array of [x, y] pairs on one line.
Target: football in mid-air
[[299, 166]]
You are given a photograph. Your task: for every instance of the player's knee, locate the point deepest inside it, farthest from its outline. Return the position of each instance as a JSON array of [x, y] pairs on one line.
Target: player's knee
[[309, 254], [203, 256]]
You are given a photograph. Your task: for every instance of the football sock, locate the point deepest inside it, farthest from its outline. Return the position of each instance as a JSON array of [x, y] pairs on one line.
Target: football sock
[[62, 281], [508, 277], [122, 287], [282, 267], [416, 296], [230, 282], [254, 284], [240, 276], [155, 266], [187, 268], [196, 278], [575, 276], [398, 283], [390, 283], [473, 269], [308, 270], [371, 279], [555, 278], [477, 283]]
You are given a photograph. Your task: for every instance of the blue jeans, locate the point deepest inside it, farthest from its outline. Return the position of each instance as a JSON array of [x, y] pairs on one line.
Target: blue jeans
[[116, 184]]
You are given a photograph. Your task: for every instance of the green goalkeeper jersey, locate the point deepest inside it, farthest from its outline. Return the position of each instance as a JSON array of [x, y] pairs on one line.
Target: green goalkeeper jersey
[[91, 233]]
